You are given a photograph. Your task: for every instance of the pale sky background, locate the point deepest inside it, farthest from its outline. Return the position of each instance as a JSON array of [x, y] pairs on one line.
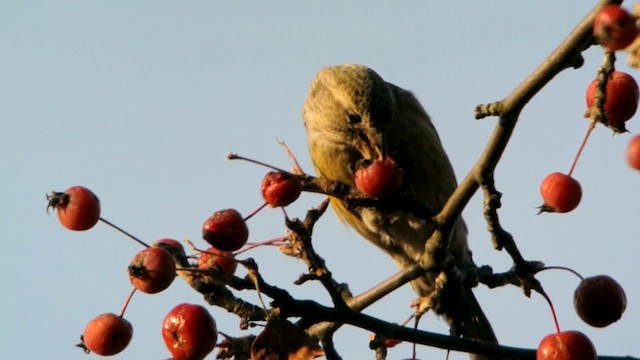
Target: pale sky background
[[141, 101]]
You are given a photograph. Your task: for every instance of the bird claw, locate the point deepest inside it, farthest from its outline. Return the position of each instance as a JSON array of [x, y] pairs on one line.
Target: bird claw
[[433, 299], [422, 305]]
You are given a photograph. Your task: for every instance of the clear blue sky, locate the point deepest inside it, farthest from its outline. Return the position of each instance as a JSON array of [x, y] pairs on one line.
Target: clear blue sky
[[142, 101]]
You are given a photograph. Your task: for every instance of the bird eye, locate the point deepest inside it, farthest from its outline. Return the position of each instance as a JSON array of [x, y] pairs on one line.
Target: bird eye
[[354, 119]]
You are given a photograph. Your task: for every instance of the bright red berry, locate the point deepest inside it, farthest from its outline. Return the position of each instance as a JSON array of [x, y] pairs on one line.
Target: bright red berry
[[189, 332], [107, 334], [566, 345], [599, 300], [78, 208], [378, 179], [621, 100], [614, 27], [561, 193], [226, 230], [218, 260], [280, 189], [633, 152], [152, 270]]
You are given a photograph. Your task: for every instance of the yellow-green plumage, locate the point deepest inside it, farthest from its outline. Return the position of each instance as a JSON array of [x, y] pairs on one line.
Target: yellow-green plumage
[[352, 114]]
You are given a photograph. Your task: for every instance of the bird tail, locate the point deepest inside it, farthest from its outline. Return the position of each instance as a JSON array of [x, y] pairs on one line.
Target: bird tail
[[465, 316]]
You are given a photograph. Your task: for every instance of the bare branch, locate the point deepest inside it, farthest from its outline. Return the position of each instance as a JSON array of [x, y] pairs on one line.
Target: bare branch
[[567, 54]]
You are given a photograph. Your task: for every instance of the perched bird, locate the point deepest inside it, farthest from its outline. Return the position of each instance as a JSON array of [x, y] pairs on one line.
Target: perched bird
[[352, 116]]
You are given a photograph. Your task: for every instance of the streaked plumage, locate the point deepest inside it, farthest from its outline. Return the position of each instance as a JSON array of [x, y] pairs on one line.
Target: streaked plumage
[[351, 114]]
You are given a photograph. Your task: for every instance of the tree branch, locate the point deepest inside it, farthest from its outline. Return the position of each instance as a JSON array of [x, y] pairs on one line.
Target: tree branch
[[567, 54]]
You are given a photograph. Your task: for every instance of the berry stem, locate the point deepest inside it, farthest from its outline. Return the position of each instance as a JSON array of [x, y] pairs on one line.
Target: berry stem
[[201, 251], [232, 258], [592, 125], [404, 323], [564, 268], [553, 311], [239, 157], [255, 211], [124, 232], [126, 302], [249, 246], [284, 211]]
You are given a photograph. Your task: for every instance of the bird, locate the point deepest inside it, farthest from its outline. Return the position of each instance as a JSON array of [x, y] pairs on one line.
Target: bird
[[353, 116]]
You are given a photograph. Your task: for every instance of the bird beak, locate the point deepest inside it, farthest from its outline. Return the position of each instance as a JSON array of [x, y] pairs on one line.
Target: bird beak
[[378, 144]]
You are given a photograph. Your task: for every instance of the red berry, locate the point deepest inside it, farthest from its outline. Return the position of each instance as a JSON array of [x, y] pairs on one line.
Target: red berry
[[226, 230], [599, 300], [561, 193], [379, 179], [78, 208], [218, 260], [152, 270], [621, 100], [566, 345], [189, 332], [171, 245], [107, 334], [633, 152], [614, 27], [281, 189]]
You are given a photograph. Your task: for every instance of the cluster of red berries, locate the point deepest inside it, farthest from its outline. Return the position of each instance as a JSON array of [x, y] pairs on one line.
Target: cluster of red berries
[[226, 230], [614, 28], [599, 300], [188, 330]]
